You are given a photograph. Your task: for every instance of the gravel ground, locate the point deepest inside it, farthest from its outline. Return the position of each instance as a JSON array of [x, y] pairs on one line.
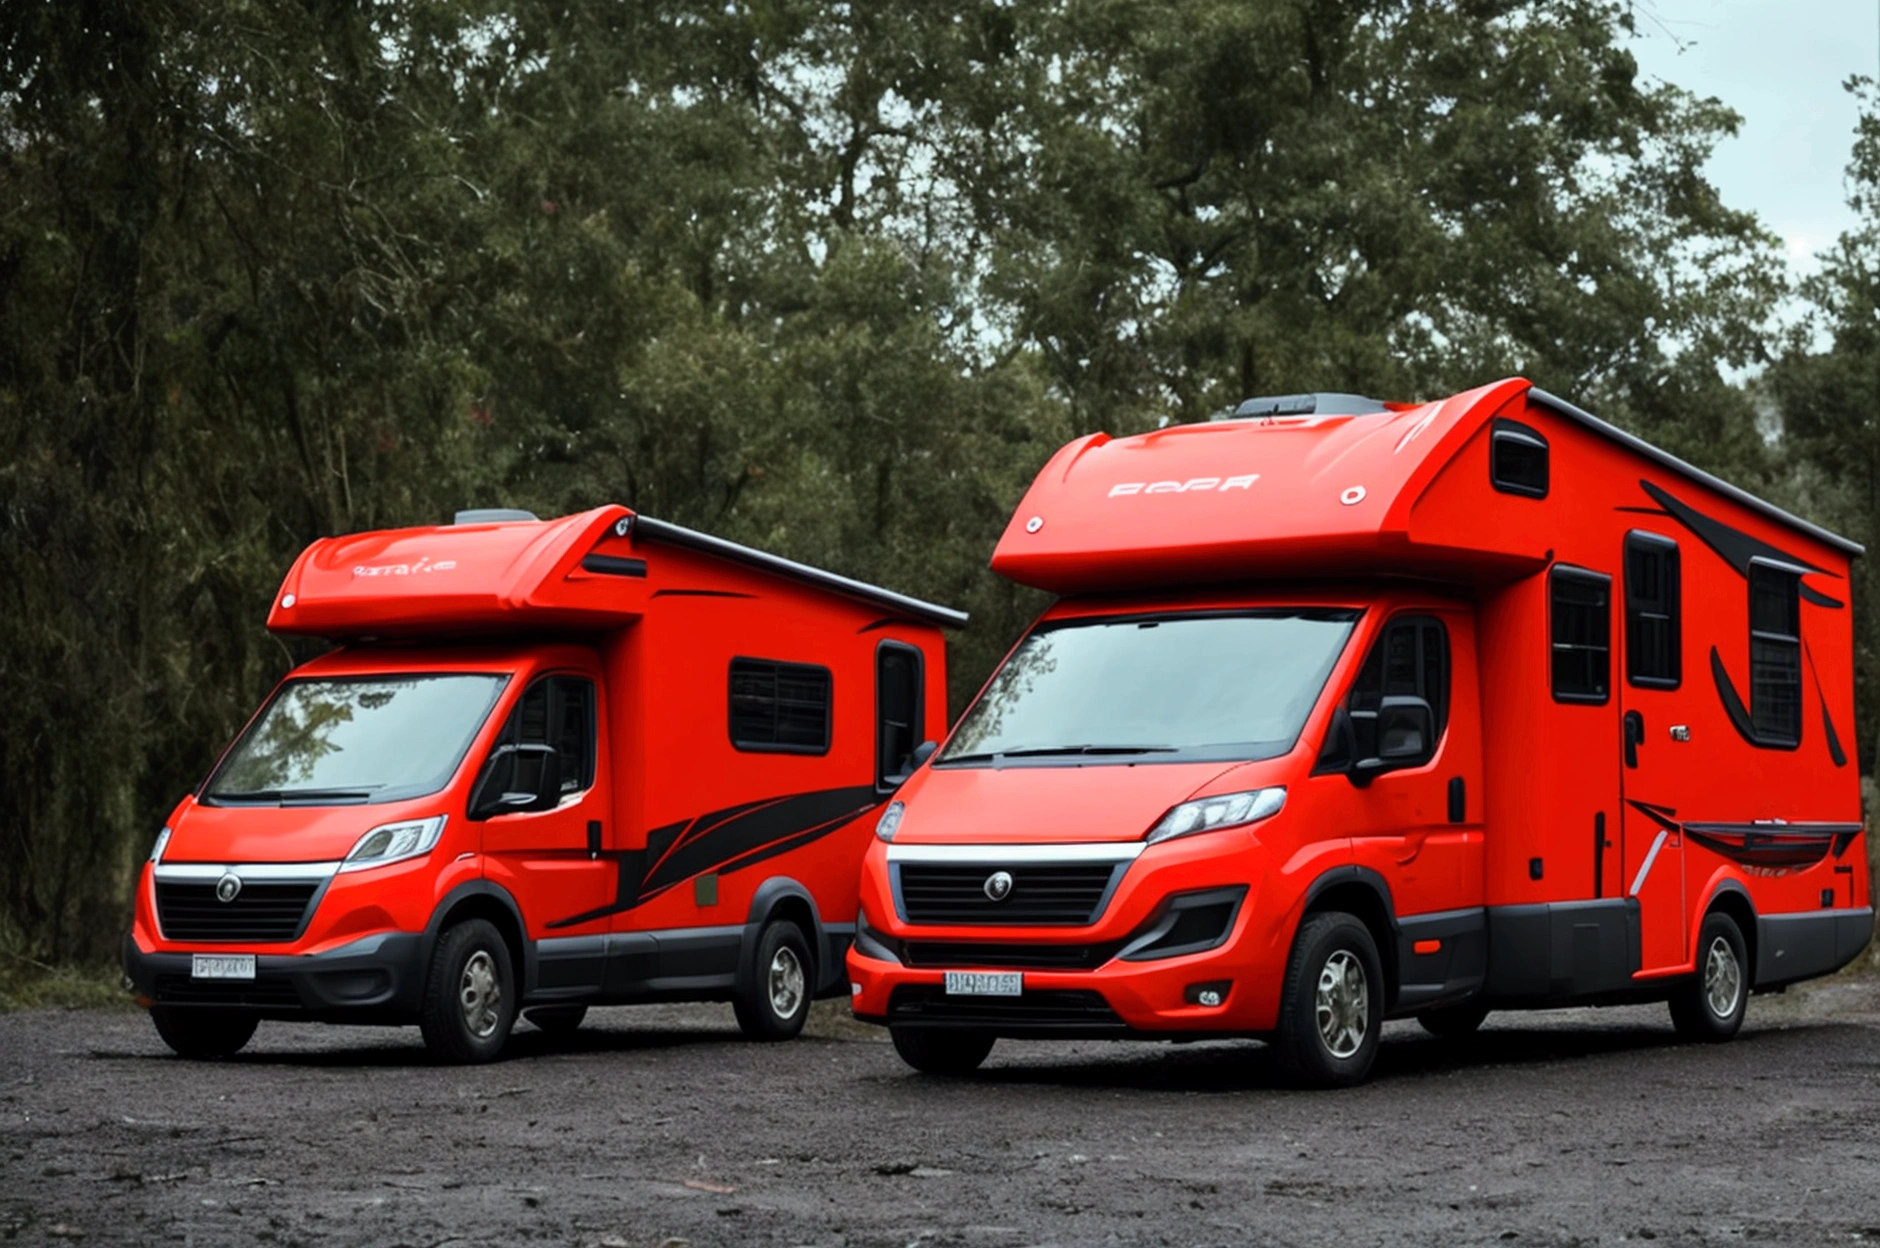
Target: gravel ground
[[659, 1126]]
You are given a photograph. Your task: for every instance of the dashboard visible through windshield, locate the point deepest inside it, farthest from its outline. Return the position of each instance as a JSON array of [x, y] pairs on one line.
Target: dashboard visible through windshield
[[1211, 686]]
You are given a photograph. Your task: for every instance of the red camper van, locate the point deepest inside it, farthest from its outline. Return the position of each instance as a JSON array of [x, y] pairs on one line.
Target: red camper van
[[549, 765], [1351, 711]]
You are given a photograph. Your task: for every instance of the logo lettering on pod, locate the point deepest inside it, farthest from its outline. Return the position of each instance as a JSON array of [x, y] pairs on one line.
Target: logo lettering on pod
[[1194, 485], [415, 568]]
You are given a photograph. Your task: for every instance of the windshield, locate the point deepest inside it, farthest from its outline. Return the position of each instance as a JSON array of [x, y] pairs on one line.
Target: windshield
[[356, 739], [1156, 688]]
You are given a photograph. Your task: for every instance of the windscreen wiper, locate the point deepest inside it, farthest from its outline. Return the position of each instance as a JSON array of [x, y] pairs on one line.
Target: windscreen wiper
[[1048, 751], [284, 797]]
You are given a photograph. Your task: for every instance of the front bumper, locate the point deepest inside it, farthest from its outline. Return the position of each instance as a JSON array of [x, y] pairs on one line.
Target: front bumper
[[376, 979]]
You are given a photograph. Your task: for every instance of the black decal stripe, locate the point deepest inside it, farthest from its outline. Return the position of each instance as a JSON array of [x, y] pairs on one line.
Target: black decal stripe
[[1820, 599], [728, 839], [1732, 703], [1734, 546], [1659, 815], [1835, 751], [1644, 511]]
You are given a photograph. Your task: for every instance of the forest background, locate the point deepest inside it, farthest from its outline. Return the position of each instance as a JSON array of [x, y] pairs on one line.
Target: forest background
[[831, 279]]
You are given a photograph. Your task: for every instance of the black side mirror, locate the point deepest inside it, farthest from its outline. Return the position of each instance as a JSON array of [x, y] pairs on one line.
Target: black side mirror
[[921, 754], [1406, 737], [500, 790]]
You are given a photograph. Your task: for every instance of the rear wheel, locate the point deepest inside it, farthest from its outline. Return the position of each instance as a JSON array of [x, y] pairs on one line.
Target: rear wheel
[[203, 1033], [1453, 1020], [470, 994], [1710, 1006], [774, 1005], [1332, 1007], [942, 1050], [556, 1020]]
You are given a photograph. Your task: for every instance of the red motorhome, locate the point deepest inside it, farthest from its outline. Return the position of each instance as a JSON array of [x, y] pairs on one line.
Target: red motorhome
[[1351, 711], [550, 764]]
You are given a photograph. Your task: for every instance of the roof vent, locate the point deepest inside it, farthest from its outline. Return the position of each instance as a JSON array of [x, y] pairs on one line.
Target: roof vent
[[1306, 405], [493, 515]]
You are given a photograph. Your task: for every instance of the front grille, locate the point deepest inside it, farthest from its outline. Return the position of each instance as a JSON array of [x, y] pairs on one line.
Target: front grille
[[962, 954], [262, 911], [1066, 894], [1036, 1009], [267, 991]]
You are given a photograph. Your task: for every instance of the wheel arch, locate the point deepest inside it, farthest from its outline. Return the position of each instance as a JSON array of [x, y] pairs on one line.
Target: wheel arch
[[480, 899], [1365, 895], [1731, 898], [781, 897]]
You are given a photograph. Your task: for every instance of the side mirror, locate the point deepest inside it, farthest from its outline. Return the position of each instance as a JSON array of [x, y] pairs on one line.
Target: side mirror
[[501, 789], [1406, 737], [921, 754]]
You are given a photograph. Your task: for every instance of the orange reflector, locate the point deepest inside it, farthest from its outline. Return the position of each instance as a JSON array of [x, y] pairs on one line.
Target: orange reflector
[[1426, 946]]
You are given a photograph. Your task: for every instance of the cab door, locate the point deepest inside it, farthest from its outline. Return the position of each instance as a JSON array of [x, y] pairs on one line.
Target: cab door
[[1651, 858], [551, 860]]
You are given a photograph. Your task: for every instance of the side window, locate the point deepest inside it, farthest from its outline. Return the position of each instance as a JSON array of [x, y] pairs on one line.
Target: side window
[[1652, 627], [556, 711], [897, 709], [780, 708], [1412, 657], [1580, 633], [1775, 654], [1517, 459]]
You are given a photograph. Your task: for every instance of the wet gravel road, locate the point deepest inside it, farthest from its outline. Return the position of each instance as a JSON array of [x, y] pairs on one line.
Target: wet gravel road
[[659, 1126]]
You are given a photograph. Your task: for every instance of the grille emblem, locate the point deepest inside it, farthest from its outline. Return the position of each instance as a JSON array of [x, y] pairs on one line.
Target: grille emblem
[[228, 888], [998, 885]]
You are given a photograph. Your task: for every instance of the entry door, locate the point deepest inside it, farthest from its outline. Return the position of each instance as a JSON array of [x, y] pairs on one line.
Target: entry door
[[1653, 738], [549, 860]]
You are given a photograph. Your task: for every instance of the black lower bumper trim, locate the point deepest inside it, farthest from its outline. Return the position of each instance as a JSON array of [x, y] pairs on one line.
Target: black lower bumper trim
[[378, 979], [1050, 1011]]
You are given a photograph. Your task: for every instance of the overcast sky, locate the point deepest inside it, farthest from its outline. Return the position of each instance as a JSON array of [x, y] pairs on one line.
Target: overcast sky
[[1780, 63]]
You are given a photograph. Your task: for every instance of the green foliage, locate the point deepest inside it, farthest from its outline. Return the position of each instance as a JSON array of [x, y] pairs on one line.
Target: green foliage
[[830, 279]]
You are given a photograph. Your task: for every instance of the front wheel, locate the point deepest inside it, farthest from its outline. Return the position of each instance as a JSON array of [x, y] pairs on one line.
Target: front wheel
[[203, 1033], [470, 994], [774, 1005], [941, 1050], [1332, 1007], [1711, 1005]]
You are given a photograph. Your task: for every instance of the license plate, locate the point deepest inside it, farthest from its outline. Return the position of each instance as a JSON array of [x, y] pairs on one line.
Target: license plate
[[985, 983], [223, 966]]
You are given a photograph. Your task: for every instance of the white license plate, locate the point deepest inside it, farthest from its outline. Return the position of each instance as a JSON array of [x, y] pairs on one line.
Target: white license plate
[[222, 966], [985, 983]]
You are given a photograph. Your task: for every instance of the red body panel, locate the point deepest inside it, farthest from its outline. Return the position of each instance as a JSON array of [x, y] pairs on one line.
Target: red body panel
[[1528, 839]]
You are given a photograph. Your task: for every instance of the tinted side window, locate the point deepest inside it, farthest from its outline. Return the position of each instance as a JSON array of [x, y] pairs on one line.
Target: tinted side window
[[1580, 628], [557, 711], [1517, 459], [780, 707], [1412, 657], [1775, 654], [1652, 625], [897, 709]]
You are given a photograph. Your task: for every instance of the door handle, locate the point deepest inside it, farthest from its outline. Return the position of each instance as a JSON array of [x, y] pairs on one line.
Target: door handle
[[594, 839], [1634, 736]]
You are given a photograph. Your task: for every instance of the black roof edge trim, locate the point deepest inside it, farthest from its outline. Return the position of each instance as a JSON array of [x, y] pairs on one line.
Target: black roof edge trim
[[677, 535], [1666, 459]]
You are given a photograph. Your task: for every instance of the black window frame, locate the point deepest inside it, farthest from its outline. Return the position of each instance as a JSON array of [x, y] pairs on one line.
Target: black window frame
[[573, 783], [1513, 434], [889, 769], [1767, 635], [1645, 668], [757, 668], [1559, 574]]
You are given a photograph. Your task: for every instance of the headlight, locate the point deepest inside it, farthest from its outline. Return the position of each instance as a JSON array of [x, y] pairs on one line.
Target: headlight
[[163, 842], [890, 821], [1228, 810], [391, 842]]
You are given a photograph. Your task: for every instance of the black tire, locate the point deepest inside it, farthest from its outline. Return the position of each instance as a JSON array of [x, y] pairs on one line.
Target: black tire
[[1339, 949], [1722, 974], [471, 977], [1453, 1020], [942, 1050], [556, 1020], [774, 1005], [203, 1034]]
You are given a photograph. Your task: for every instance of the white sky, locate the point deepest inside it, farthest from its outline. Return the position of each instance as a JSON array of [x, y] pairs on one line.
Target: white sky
[[1779, 63]]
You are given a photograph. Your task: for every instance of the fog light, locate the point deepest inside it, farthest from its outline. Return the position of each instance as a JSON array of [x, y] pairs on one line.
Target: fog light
[[1210, 995]]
